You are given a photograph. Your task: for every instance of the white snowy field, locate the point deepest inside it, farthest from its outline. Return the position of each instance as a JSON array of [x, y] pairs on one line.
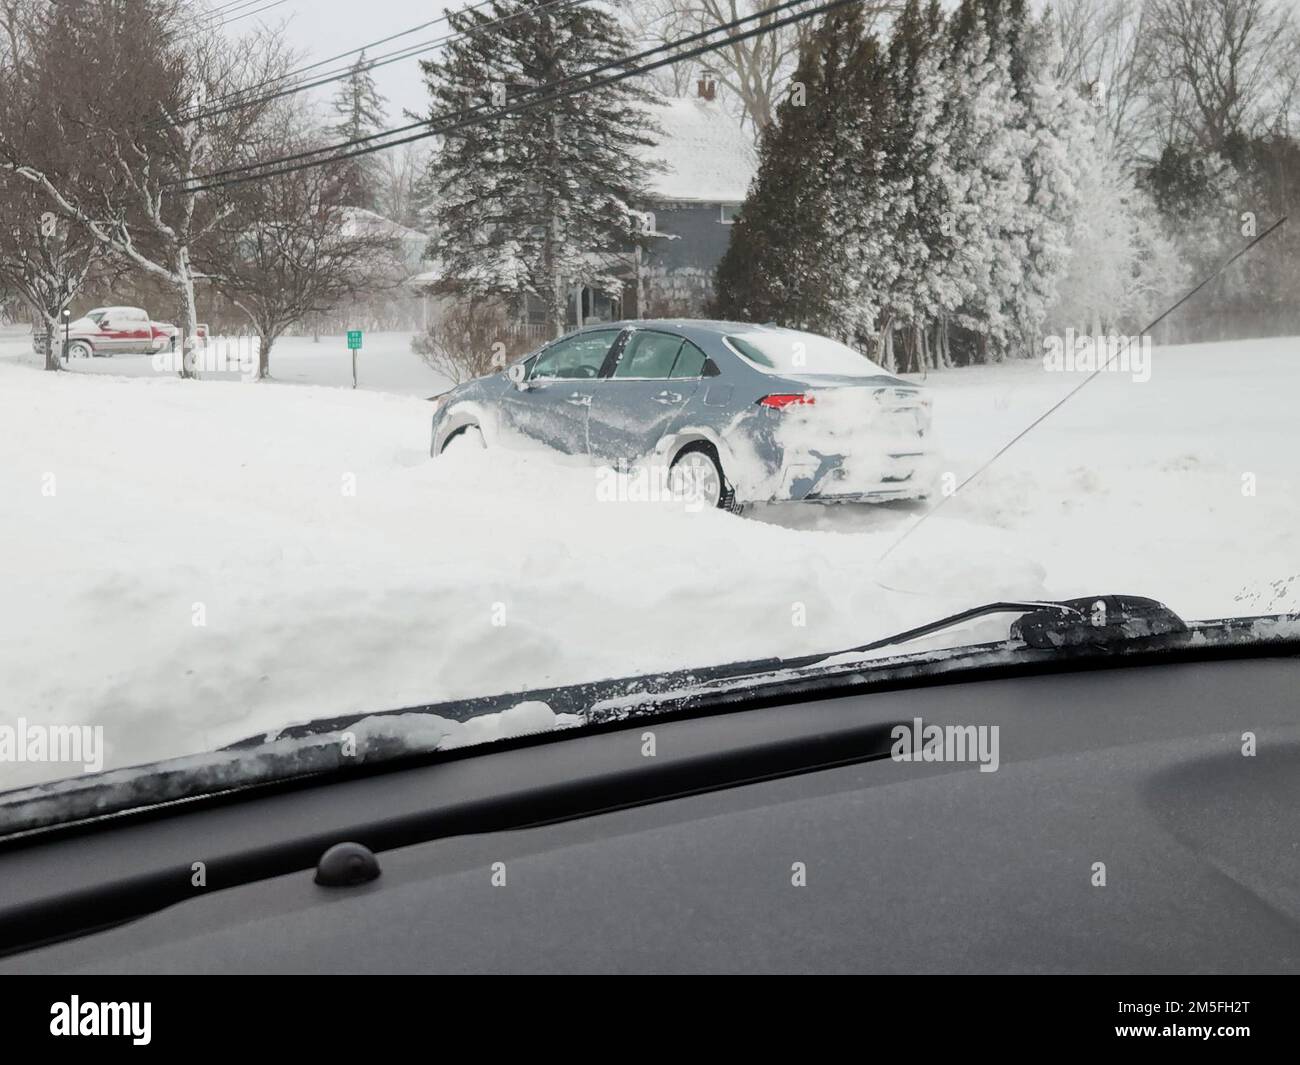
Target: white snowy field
[[133, 507], [385, 363]]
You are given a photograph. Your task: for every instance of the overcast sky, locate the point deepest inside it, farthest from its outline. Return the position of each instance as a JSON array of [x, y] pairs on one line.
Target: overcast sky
[[320, 29]]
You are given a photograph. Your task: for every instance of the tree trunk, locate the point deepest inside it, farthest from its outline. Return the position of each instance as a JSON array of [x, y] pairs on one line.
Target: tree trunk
[[264, 342], [53, 343], [887, 344], [640, 285], [559, 304], [190, 313]]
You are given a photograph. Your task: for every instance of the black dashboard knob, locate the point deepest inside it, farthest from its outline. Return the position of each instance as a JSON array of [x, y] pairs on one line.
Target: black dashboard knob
[[347, 864]]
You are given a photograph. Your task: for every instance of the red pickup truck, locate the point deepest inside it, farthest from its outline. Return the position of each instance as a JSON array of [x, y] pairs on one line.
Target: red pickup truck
[[109, 331]]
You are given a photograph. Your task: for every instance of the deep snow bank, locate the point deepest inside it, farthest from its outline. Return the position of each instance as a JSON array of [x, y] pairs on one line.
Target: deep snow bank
[[189, 563]]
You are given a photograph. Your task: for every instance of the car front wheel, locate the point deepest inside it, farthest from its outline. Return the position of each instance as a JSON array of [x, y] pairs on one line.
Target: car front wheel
[[469, 437]]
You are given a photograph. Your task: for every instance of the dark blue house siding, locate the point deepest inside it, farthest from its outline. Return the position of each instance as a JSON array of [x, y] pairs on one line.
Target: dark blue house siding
[[677, 269]]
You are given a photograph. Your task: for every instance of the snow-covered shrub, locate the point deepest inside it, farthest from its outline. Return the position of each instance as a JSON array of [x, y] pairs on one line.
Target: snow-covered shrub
[[471, 338]]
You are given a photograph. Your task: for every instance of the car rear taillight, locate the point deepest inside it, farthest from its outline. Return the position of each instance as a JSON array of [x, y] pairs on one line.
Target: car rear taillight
[[783, 400]]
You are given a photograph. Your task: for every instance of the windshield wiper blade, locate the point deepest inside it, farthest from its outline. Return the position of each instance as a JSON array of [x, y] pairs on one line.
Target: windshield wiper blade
[[1091, 621], [1072, 630], [1102, 621], [579, 698], [931, 627]]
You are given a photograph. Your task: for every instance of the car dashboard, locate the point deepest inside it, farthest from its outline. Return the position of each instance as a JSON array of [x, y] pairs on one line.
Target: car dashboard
[[1139, 819]]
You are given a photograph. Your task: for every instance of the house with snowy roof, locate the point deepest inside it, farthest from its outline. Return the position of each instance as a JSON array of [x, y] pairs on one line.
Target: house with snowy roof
[[708, 161], [409, 244], [698, 173]]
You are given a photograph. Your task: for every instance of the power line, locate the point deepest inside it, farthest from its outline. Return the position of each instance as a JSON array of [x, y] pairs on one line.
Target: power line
[[458, 122], [621, 62], [246, 14], [407, 52], [229, 16], [223, 9], [529, 104], [1074, 391], [344, 55], [464, 111], [393, 57]]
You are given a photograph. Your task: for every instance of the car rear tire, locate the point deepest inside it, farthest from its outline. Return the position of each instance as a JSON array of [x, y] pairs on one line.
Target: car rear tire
[[702, 460]]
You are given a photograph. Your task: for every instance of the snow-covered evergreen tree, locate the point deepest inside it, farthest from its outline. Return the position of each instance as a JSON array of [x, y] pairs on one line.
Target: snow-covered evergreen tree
[[917, 243], [927, 201], [1122, 267], [359, 110], [1020, 140], [1059, 128], [809, 222], [987, 192], [543, 198]]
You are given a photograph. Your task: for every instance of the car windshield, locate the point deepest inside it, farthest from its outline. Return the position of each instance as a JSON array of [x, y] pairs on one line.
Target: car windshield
[[788, 351], [580, 390]]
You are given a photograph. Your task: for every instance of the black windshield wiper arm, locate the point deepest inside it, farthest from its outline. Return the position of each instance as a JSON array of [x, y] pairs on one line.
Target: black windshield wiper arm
[[1094, 620], [930, 627]]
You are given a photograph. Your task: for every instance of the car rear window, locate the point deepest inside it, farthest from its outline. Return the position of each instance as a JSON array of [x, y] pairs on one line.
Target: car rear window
[[788, 351], [690, 362], [649, 355]]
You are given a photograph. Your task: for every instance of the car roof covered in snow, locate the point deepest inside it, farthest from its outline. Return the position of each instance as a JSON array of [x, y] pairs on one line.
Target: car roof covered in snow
[[707, 156], [701, 325], [696, 329]]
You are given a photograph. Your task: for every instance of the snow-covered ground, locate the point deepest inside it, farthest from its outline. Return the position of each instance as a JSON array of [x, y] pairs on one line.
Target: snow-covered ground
[[385, 363], [133, 507]]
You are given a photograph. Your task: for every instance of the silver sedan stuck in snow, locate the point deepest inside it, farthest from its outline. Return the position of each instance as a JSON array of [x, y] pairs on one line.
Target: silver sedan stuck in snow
[[743, 413]]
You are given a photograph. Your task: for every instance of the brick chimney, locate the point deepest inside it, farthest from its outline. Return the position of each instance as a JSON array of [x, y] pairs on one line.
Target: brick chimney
[[707, 87]]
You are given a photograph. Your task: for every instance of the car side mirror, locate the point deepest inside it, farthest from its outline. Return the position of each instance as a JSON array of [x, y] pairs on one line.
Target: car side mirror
[[710, 369], [518, 375]]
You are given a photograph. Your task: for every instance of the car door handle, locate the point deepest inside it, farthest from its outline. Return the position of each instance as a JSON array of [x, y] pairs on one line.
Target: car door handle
[[579, 399], [668, 397]]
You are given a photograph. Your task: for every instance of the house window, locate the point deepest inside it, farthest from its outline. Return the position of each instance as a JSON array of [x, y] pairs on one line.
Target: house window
[[729, 212]]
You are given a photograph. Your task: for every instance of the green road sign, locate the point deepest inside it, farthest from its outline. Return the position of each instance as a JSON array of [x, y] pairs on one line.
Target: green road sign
[[354, 339]]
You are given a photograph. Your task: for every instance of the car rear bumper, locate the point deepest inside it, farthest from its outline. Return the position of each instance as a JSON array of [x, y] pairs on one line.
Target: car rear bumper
[[836, 479]]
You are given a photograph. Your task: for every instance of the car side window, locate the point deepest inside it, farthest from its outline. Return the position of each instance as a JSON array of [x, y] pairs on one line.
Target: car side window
[[649, 355], [578, 356], [690, 363]]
